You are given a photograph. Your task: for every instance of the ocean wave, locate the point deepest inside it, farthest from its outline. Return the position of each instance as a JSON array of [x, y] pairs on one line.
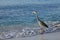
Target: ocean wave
[[25, 32]]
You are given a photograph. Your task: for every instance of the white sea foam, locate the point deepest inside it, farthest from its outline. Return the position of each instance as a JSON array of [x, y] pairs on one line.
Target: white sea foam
[[25, 32]]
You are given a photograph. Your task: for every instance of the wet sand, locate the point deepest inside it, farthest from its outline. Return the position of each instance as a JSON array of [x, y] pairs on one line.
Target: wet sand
[[48, 36]]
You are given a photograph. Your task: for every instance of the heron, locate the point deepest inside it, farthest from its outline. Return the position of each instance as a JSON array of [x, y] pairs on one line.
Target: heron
[[41, 24]]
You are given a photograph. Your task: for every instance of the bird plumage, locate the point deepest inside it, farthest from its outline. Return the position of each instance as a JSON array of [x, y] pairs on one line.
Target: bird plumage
[[40, 22]]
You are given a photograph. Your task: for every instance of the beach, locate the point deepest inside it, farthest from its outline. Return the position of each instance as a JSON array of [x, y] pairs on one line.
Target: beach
[[30, 33], [48, 36]]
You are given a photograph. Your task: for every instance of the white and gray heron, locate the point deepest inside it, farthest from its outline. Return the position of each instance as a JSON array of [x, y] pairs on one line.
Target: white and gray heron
[[40, 23]]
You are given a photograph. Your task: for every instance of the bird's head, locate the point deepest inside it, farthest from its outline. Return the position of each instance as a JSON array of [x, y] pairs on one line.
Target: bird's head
[[34, 12]]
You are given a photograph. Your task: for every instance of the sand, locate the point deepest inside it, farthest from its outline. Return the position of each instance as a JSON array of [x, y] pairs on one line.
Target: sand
[[48, 36]]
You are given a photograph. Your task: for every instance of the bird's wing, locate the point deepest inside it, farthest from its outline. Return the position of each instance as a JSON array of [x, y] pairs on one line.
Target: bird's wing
[[42, 23]]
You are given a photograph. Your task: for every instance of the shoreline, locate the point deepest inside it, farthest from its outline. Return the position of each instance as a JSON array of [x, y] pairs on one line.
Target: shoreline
[[50, 36]]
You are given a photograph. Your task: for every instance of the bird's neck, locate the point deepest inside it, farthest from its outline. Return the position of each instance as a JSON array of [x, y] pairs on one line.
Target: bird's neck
[[38, 19], [36, 16]]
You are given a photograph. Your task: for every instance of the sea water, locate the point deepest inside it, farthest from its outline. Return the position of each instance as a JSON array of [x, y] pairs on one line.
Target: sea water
[[19, 20]]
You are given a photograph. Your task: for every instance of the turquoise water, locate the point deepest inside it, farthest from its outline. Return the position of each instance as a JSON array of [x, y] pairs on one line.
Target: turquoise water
[[12, 15]]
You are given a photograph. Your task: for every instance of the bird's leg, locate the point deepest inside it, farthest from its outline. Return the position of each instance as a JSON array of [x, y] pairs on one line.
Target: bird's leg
[[41, 30]]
